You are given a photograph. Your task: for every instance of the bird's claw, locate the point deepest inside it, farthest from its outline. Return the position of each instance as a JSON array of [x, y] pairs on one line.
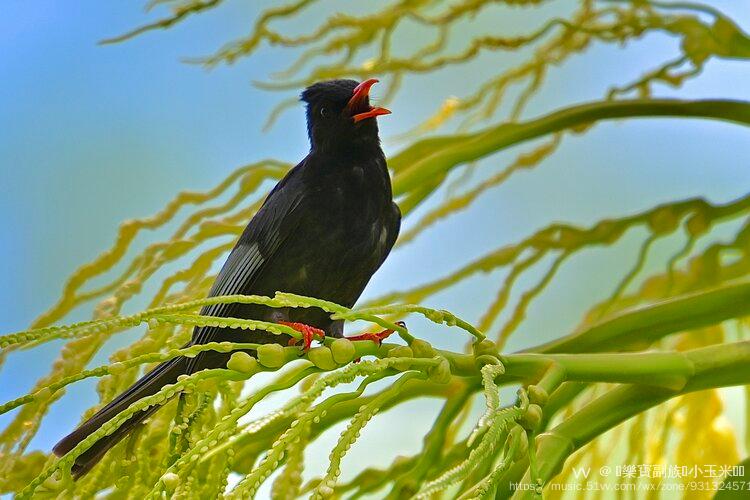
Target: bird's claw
[[309, 333], [377, 337]]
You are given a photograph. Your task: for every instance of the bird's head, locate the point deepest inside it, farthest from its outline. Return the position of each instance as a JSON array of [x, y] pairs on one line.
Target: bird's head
[[339, 115]]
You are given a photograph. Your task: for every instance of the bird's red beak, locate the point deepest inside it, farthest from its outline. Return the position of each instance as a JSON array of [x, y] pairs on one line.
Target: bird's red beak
[[358, 106]]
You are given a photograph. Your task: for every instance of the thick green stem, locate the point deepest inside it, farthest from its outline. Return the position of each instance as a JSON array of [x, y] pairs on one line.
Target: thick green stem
[[648, 324], [455, 151], [714, 366], [664, 369]]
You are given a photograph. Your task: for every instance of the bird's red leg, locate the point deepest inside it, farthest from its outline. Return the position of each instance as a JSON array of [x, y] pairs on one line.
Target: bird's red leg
[[377, 337], [309, 333]]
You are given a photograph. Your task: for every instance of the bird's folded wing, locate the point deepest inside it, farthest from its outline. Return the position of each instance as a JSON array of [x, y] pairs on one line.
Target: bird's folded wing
[[274, 223]]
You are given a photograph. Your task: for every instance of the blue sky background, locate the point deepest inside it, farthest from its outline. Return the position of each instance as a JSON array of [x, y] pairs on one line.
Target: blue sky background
[[93, 135]]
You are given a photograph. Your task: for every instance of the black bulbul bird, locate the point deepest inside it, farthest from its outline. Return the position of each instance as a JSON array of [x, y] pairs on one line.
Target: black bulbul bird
[[322, 232]]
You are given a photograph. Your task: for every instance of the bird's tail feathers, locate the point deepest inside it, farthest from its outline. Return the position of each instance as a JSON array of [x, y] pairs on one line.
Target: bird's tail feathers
[[148, 385]]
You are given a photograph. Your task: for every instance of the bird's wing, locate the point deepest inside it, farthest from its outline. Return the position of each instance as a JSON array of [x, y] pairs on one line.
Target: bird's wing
[[276, 220], [393, 230]]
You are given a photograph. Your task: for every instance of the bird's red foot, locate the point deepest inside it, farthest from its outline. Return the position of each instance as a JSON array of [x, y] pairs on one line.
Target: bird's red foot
[[309, 333], [377, 337]]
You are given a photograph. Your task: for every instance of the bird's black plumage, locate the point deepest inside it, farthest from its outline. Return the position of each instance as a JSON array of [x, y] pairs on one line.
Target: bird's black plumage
[[322, 232]]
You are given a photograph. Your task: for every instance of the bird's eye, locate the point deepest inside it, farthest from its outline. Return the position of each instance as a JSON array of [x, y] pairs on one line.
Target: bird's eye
[[324, 112]]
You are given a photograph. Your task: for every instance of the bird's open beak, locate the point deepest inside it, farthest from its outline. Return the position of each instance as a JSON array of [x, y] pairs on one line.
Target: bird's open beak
[[357, 105]]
